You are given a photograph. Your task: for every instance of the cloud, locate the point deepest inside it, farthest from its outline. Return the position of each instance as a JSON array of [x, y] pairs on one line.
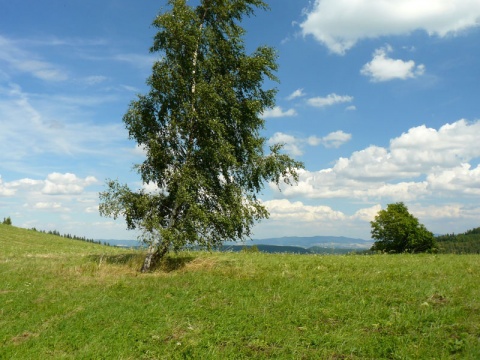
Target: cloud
[[296, 94], [95, 79], [55, 206], [340, 24], [422, 163], [296, 218], [139, 150], [23, 184], [329, 100], [278, 112], [57, 183], [45, 203], [294, 145], [332, 140], [54, 184], [92, 209], [5, 190], [26, 62], [367, 214], [298, 212], [52, 124], [450, 180], [336, 139], [383, 68]]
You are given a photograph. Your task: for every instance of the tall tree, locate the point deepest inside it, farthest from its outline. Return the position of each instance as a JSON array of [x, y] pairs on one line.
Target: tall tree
[[396, 230], [200, 127]]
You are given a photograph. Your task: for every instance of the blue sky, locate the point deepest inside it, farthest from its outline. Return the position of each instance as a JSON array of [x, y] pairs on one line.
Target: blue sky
[[378, 99]]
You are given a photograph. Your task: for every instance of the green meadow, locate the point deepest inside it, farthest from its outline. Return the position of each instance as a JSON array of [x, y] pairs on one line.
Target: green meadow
[[68, 299]]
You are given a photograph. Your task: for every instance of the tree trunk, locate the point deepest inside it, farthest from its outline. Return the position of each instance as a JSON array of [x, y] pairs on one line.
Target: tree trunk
[[154, 255]]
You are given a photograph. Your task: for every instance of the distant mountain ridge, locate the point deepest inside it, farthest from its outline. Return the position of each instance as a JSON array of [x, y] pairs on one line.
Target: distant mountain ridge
[[331, 242], [339, 242]]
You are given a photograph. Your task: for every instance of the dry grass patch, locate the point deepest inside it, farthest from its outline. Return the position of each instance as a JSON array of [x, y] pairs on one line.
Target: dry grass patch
[[19, 339], [200, 264]]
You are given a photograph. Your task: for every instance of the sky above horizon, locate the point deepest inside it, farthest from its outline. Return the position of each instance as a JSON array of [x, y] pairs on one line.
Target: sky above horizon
[[378, 99]]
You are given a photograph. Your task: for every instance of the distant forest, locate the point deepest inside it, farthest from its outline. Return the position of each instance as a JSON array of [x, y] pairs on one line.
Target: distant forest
[[69, 236], [466, 243]]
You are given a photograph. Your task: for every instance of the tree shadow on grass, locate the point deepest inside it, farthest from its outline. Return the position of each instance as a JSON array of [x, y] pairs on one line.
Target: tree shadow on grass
[[169, 263], [173, 263]]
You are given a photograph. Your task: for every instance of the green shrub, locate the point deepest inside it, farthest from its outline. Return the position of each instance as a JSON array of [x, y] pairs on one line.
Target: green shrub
[[395, 230]]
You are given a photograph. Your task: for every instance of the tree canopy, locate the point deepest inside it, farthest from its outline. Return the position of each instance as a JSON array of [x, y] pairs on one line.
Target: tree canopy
[[200, 128], [465, 243], [396, 230]]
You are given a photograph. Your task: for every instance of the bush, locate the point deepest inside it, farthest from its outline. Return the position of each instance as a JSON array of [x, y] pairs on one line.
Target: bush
[[7, 221]]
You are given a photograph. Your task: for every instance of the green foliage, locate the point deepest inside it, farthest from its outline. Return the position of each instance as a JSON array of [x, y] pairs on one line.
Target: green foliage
[[200, 127], [466, 243], [396, 230], [7, 221], [475, 231], [63, 299]]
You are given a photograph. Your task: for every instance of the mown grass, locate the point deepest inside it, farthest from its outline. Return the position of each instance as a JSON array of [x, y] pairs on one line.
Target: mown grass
[[66, 299]]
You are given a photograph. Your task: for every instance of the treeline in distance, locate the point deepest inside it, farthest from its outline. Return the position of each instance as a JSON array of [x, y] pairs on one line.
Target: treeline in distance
[[465, 243]]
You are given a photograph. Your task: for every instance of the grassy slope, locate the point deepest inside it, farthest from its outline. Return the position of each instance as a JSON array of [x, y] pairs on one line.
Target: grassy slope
[[68, 299]]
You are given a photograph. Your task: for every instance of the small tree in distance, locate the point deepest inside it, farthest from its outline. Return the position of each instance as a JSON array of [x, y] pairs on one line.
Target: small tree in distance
[[7, 221], [396, 230], [200, 128]]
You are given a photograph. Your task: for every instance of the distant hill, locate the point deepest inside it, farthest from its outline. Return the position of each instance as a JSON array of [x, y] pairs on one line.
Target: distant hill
[[465, 243], [293, 244], [332, 242], [123, 243], [274, 249]]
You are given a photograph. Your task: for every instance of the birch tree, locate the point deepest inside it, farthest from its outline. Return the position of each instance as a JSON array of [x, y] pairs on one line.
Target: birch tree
[[200, 127]]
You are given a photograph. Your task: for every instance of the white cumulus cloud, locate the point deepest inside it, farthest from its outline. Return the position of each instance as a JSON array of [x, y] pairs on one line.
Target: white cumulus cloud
[[297, 211], [297, 218], [332, 140], [340, 24], [278, 112], [336, 139], [450, 180], [291, 144], [329, 100], [383, 68], [294, 145], [5, 190], [367, 214], [64, 184], [50, 206], [423, 162], [296, 94]]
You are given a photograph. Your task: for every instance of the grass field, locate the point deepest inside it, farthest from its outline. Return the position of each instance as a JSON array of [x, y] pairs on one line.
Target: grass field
[[67, 299]]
